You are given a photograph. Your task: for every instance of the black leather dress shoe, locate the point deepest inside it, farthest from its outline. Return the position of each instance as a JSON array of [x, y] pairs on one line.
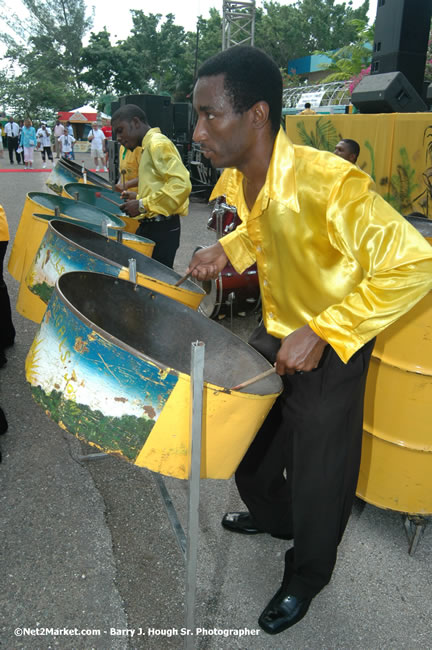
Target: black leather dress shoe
[[241, 522], [283, 611]]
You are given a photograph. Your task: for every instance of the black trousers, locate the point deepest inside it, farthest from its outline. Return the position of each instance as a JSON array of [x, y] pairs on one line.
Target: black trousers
[[166, 235], [46, 151], [7, 330], [300, 473], [12, 143]]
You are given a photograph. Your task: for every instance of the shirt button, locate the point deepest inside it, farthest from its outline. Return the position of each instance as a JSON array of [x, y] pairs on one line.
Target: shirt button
[[270, 315], [265, 283], [258, 249]]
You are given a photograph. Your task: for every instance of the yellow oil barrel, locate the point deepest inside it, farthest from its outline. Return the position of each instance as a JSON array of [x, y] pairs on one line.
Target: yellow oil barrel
[[396, 464]]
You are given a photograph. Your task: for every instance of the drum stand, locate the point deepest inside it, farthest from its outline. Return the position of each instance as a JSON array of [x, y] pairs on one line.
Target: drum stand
[[188, 543], [415, 526]]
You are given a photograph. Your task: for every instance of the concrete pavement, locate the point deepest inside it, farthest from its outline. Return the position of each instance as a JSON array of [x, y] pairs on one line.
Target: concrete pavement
[[88, 546]]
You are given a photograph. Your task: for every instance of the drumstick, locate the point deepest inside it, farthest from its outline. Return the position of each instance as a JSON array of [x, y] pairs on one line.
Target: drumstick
[[123, 173], [183, 279], [99, 195], [262, 375]]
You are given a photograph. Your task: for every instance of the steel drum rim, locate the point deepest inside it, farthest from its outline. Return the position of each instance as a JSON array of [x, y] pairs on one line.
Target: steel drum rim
[[180, 289], [128, 348], [31, 196], [83, 224]]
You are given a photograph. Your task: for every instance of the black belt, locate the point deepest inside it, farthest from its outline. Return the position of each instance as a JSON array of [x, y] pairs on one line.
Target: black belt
[[158, 217]]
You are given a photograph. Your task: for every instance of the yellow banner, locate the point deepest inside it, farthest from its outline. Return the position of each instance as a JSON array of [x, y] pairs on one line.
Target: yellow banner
[[395, 149]]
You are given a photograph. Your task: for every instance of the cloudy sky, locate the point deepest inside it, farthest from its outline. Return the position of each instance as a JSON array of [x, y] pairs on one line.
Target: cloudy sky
[[116, 16]]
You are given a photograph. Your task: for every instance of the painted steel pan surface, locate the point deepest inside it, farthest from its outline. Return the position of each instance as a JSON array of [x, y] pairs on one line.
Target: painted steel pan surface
[[89, 194], [396, 465], [69, 247], [110, 364], [136, 242], [30, 233], [68, 171]]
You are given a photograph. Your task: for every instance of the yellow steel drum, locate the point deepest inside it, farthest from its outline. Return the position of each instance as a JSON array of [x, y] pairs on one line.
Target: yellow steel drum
[[67, 247], [30, 233], [97, 196], [111, 362], [396, 464]]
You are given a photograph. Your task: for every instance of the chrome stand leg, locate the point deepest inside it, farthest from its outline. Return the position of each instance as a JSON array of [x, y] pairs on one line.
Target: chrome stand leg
[[414, 527], [197, 388]]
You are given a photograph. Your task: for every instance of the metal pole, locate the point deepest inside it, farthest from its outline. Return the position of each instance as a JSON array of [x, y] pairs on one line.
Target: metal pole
[[197, 387]]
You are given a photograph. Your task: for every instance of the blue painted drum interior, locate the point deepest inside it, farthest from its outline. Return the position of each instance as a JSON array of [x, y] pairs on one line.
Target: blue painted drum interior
[[79, 210], [162, 329], [77, 170], [115, 252], [87, 193], [116, 223]]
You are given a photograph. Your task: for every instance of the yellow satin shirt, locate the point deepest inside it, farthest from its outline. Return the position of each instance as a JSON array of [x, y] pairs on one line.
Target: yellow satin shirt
[[331, 253], [4, 229], [164, 183], [129, 161]]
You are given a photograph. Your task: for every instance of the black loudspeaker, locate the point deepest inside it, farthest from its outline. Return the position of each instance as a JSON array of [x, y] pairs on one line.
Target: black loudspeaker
[[158, 109], [401, 39], [182, 121], [387, 93]]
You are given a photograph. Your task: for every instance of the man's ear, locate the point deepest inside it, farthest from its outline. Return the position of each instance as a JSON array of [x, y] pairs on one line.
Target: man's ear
[[260, 114]]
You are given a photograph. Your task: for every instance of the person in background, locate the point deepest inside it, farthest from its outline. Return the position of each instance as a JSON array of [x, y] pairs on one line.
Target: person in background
[[28, 142], [348, 150], [97, 139], [307, 110], [7, 329], [336, 265], [12, 131], [164, 182], [66, 144], [43, 135], [71, 133], [58, 131], [128, 165]]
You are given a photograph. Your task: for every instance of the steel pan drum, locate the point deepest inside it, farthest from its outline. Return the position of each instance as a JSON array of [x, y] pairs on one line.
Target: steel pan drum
[[396, 464], [29, 235], [69, 247], [136, 242], [110, 364], [68, 171], [88, 194]]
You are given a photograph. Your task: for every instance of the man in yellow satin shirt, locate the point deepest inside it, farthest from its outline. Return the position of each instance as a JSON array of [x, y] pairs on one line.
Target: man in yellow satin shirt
[[336, 266], [163, 182]]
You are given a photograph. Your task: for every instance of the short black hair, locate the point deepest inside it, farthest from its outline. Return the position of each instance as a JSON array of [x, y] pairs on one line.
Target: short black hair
[[250, 76], [307, 105], [128, 112], [353, 146]]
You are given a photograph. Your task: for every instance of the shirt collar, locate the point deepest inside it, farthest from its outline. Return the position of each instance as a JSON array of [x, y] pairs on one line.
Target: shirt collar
[[280, 184], [148, 135]]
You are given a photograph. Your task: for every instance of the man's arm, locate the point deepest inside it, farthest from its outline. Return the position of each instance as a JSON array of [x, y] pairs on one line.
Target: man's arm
[[396, 262]]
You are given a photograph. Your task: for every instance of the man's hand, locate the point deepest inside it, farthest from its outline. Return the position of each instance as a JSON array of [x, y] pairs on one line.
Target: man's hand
[[128, 196], [300, 351], [207, 263], [131, 208]]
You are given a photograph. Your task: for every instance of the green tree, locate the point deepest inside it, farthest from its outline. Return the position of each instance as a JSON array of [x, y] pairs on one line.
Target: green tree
[[46, 48], [350, 60]]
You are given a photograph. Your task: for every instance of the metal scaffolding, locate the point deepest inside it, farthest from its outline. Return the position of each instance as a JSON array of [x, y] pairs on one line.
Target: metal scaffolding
[[238, 26], [334, 93]]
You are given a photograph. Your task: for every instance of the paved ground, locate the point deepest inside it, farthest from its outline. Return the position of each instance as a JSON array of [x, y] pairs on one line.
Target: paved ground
[[89, 546]]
